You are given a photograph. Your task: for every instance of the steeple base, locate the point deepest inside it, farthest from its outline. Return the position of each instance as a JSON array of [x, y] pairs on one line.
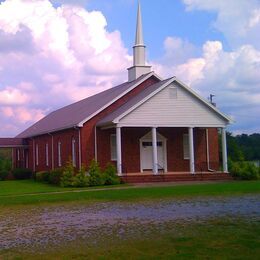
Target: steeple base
[[137, 71]]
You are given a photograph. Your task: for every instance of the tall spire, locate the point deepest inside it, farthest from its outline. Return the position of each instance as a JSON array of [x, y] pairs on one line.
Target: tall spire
[[139, 28], [139, 68]]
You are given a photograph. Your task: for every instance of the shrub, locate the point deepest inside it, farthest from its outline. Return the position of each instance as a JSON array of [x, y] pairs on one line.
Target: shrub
[[66, 179], [42, 176], [244, 170], [22, 173], [95, 176], [5, 164], [3, 175], [110, 176], [55, 176], [81, 179]]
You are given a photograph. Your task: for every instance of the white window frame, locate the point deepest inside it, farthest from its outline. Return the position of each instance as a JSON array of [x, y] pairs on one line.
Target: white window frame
[[186, 152], [47, 154], [73, 155], [59, 154], [37, 154], [113, 148]]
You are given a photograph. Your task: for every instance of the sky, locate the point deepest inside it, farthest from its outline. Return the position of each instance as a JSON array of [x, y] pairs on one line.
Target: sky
[[56, 52]]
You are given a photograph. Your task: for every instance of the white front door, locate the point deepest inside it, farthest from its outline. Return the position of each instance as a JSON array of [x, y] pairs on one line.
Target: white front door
[[147, 155]]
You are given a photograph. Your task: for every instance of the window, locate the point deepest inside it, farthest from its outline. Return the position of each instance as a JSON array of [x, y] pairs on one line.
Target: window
[[37, 154], [186, 152], [145, 144], [113, 147], [59, 153], [73, 152], [47, 154], [18, 155]]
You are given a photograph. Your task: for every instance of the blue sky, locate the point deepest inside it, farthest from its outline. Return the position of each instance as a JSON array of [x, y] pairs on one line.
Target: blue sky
[[55, 52]]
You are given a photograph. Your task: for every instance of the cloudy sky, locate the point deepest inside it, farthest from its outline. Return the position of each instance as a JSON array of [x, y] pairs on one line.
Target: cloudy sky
[[55, 52]]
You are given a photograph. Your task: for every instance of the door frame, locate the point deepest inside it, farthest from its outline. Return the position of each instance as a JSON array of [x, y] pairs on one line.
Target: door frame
[[148, 138]]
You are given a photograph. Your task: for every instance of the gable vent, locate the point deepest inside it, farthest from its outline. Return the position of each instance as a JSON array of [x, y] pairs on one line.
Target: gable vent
[[173, 92]]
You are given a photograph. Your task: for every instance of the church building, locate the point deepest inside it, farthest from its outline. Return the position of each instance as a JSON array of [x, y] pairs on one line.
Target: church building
[[152, 129]]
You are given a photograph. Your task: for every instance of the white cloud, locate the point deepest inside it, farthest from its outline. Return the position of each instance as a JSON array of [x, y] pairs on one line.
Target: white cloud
[[49, 52], [238, 20]]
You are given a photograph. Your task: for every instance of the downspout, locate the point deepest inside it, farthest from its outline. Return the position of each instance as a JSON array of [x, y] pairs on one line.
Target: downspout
[[207, 150], [52, 151]]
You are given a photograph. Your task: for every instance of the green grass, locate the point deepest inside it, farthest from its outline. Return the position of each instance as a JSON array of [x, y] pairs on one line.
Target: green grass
[[213, 239], [14, 192]]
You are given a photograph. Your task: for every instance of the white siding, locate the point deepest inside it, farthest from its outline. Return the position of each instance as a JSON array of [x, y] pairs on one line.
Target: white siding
[[180, 109]]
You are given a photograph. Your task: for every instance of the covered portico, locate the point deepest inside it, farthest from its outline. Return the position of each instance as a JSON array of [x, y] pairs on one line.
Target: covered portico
[[169, 106], [164, 147]]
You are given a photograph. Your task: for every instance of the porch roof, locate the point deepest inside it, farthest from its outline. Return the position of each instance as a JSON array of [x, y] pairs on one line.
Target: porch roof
[[12, 142]]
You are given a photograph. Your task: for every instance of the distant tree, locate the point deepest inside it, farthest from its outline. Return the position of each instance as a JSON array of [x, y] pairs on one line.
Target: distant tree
[[235, 153], [243, 147]]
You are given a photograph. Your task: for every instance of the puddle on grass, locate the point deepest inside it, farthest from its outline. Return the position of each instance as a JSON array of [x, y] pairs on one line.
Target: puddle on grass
[[42, 226]]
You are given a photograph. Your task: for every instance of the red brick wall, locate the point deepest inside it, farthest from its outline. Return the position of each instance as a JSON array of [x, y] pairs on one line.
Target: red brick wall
[[66, 149], [213, 149]]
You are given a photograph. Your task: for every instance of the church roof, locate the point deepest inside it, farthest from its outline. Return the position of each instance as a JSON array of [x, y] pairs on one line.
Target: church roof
[[78, 113]]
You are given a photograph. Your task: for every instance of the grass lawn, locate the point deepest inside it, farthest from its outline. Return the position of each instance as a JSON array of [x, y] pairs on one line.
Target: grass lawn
[[14, 192], [214, 239]]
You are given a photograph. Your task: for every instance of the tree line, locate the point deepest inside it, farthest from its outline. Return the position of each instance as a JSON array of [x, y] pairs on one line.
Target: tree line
[[243, 147]]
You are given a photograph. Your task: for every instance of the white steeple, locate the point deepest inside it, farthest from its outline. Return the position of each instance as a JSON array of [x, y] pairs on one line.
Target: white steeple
[[139, 68]]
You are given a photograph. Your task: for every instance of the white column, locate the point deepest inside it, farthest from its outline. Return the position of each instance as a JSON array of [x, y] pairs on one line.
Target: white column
[[191, 150], [224, 150], [155, 157], [118, 150]]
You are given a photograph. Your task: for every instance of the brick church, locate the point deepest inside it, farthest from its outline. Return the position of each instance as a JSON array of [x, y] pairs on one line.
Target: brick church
[[147, 126]]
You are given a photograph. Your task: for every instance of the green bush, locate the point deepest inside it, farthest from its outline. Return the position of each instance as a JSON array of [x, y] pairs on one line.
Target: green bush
[[110, 176], [80, 179], [66, 179], [3, 175], [42, 176], [55, 176], [5, 164], [95, 176], [22, 173], [244, 170]]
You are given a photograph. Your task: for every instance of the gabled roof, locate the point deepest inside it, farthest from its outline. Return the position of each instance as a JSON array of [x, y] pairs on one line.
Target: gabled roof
[[139, 99], [76, 114]]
